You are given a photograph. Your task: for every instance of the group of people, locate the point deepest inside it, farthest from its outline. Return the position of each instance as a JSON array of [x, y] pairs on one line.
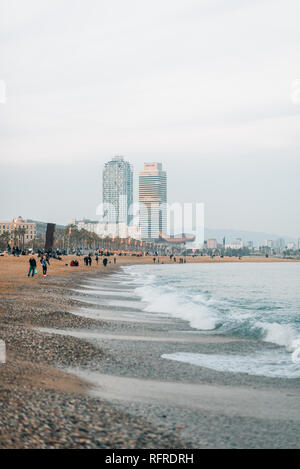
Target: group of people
[[44, 260], [15, 251], [182, 260], [74, 263], [87, 260], [156, 259]]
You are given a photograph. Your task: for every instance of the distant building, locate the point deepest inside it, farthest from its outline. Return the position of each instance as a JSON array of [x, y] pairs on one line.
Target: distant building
[[298, 244], [116, 230], [153, 200], [117, 191], [268, 243], [235, 244], [211, 243], [279, 244], [291, 246], [85, 224], [12, 227]]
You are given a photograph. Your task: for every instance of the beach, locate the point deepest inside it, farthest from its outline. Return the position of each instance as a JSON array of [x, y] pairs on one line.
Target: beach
[[85, 372]]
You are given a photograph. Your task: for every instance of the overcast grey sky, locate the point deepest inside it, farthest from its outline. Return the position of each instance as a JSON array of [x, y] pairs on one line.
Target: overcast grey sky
[[207, 87]]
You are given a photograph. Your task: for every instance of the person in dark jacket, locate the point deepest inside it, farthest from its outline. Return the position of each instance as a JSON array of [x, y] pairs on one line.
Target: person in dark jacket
[[104, 261], [32, 266], [44, 265]]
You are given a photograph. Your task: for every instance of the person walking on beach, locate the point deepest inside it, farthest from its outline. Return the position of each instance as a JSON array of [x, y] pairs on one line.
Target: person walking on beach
[[89, 260], [97, 258], [104, 261], [32, 266], [47, 258], [44, 265], [115, 258]]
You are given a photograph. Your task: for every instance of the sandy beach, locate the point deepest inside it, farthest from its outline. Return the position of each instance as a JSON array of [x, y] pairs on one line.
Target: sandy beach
[[61, 387]]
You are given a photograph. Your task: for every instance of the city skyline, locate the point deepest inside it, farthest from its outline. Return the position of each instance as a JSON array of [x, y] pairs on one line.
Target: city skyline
[[184, 83], [88, 214]]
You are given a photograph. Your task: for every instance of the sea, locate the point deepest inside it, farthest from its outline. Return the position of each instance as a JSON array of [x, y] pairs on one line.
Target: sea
[[250, 303], [258, 301]]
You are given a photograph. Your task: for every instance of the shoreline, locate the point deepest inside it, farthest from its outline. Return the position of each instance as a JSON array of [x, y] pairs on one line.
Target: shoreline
[[37, 362], [42, 406]]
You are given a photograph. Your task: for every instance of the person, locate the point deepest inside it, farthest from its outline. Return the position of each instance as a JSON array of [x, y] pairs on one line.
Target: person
[[97, 258], [154, 260], [89, 260], [104, 261], [44, 265], [32, 266]]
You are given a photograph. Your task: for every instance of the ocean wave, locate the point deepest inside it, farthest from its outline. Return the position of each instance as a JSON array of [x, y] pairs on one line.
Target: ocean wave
[[211, 301], [169, 302], [271, 364], [283, 335]]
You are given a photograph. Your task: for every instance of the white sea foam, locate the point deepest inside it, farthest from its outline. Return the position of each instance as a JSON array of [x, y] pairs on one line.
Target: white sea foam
[[283, 335], [276, 364], [169, 302]]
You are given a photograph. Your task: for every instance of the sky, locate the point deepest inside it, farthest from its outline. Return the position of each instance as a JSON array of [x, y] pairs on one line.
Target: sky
[[210, 88]]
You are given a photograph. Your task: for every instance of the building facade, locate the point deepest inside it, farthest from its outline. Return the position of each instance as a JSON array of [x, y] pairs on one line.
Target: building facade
[[117, 191], [85, 224], [112, 230], [279, 245], [153, 201], [235, 244], [13, 227], [212, 243]]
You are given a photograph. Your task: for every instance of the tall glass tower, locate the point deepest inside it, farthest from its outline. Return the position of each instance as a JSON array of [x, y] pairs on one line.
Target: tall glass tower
[[153, 200], [117, 191]]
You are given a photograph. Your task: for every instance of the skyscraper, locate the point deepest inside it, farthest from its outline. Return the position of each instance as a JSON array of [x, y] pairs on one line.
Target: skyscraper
[[117, 191], [153, 200]]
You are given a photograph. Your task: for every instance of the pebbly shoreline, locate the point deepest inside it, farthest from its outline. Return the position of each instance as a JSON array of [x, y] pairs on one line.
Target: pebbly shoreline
[[44, 407]]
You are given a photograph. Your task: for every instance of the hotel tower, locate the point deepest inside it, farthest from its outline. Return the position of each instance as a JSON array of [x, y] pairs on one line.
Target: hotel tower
[[117, 191], [153, 200]]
